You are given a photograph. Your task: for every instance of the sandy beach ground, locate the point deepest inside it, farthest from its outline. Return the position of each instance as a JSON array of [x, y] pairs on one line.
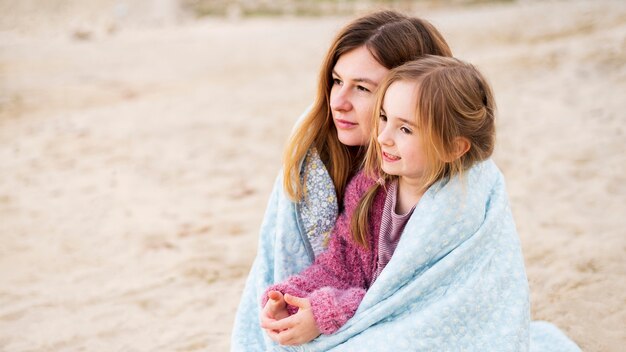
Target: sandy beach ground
[[138, 147]]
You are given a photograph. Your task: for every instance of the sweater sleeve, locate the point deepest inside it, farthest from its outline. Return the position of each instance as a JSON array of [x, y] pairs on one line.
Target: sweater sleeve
[[336, 282]]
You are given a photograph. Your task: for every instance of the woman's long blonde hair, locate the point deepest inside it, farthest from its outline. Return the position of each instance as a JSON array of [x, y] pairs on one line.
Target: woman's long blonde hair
[[453, 100], [392, 39]]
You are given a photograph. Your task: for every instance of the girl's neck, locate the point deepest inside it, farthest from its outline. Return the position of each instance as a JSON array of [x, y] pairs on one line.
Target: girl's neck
[[409, 194]]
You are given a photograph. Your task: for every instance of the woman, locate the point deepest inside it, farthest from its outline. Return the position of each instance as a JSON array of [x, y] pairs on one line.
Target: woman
[[325, 151]]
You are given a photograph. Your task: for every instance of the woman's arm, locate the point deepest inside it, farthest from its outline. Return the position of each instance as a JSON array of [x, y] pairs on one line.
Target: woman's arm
[[336, 283]]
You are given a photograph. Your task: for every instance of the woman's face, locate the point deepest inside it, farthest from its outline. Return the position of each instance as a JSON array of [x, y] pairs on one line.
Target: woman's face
[[356, 76]]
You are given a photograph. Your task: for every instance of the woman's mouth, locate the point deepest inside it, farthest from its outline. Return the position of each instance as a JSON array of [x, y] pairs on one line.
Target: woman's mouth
[[344, 124], [390, 158]]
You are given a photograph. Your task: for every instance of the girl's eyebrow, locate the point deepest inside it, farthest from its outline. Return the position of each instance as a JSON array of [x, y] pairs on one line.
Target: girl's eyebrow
[[407, 121], [359, 80]]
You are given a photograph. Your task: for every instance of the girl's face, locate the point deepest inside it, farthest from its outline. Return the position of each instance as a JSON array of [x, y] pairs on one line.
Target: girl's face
[[356, 76], [402, 147]]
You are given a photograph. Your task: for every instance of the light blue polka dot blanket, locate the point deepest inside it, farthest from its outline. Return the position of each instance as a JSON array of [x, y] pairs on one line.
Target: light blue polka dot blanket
[[456, 281]]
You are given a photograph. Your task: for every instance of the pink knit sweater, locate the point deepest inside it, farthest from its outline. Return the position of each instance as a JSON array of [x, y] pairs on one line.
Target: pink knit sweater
[[338, 279]]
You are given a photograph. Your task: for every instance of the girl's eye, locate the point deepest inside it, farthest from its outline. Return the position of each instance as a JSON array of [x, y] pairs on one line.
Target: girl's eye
[[383, 117], [405, 130], [336, 81]]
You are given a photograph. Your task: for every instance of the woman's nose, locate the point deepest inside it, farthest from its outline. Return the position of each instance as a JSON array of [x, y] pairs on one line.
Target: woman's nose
[[339, 99]]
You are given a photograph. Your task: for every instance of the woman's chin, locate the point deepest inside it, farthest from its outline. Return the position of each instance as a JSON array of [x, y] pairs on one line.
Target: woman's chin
[[351, 140]]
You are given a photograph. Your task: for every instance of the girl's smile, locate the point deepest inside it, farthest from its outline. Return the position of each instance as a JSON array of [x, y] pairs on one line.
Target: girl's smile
[[390, 158]]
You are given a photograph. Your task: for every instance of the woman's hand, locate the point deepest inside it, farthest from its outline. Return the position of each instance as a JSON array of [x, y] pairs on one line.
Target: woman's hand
[[294, 330], [275, 308]]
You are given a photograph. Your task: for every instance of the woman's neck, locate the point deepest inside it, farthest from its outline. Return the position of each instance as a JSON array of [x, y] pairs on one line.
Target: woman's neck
[[356, 152], [409, 193], [355, 157]]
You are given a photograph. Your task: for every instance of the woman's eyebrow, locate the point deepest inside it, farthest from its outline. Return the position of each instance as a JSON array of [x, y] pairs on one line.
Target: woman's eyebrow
[[358, 80], [366, 80]]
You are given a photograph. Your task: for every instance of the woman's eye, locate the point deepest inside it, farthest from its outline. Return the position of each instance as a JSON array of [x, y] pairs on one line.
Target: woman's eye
[[363, 89], [405, 130], [336, 81], [383, 117]]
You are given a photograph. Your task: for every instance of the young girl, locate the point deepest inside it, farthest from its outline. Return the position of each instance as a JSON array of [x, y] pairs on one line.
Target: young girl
[[436, 120]]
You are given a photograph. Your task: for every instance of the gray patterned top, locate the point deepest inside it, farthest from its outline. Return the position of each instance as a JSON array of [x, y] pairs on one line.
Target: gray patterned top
[[318, 208]]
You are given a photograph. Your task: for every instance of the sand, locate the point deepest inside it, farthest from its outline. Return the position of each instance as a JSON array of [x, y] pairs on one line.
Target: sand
[[138, 147]]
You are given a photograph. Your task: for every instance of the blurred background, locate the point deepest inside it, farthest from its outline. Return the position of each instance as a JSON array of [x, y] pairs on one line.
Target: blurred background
[[139, 141]]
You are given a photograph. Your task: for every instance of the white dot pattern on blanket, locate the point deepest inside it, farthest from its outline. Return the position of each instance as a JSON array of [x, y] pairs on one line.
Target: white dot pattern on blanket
[[456, 281]]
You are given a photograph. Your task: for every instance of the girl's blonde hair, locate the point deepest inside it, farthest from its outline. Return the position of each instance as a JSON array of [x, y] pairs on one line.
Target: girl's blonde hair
[[453, 101], [392, 39]]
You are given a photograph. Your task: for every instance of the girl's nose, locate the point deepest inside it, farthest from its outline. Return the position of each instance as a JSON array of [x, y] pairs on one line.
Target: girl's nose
[[339, 99], [383, 136]]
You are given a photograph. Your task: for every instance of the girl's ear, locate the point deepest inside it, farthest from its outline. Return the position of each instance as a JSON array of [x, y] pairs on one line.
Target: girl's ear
[[461, 146]]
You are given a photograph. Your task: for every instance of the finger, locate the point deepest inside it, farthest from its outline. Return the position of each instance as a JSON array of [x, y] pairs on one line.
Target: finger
[[275, 307], [272, 307], [268, 322], [265, 321], [273, 335], [297, 301], [280, 325], [285, 337], [276, 301], [268, 311], [275, 295]]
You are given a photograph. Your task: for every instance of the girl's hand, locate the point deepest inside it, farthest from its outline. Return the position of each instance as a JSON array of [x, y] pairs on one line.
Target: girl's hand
[[275, 309], [297, 329]]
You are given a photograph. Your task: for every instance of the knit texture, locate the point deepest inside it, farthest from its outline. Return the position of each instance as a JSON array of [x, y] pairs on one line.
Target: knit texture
[[338, 279]]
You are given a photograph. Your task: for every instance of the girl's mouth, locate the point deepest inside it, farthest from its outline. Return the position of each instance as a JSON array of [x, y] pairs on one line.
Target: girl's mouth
[[390, 158]]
